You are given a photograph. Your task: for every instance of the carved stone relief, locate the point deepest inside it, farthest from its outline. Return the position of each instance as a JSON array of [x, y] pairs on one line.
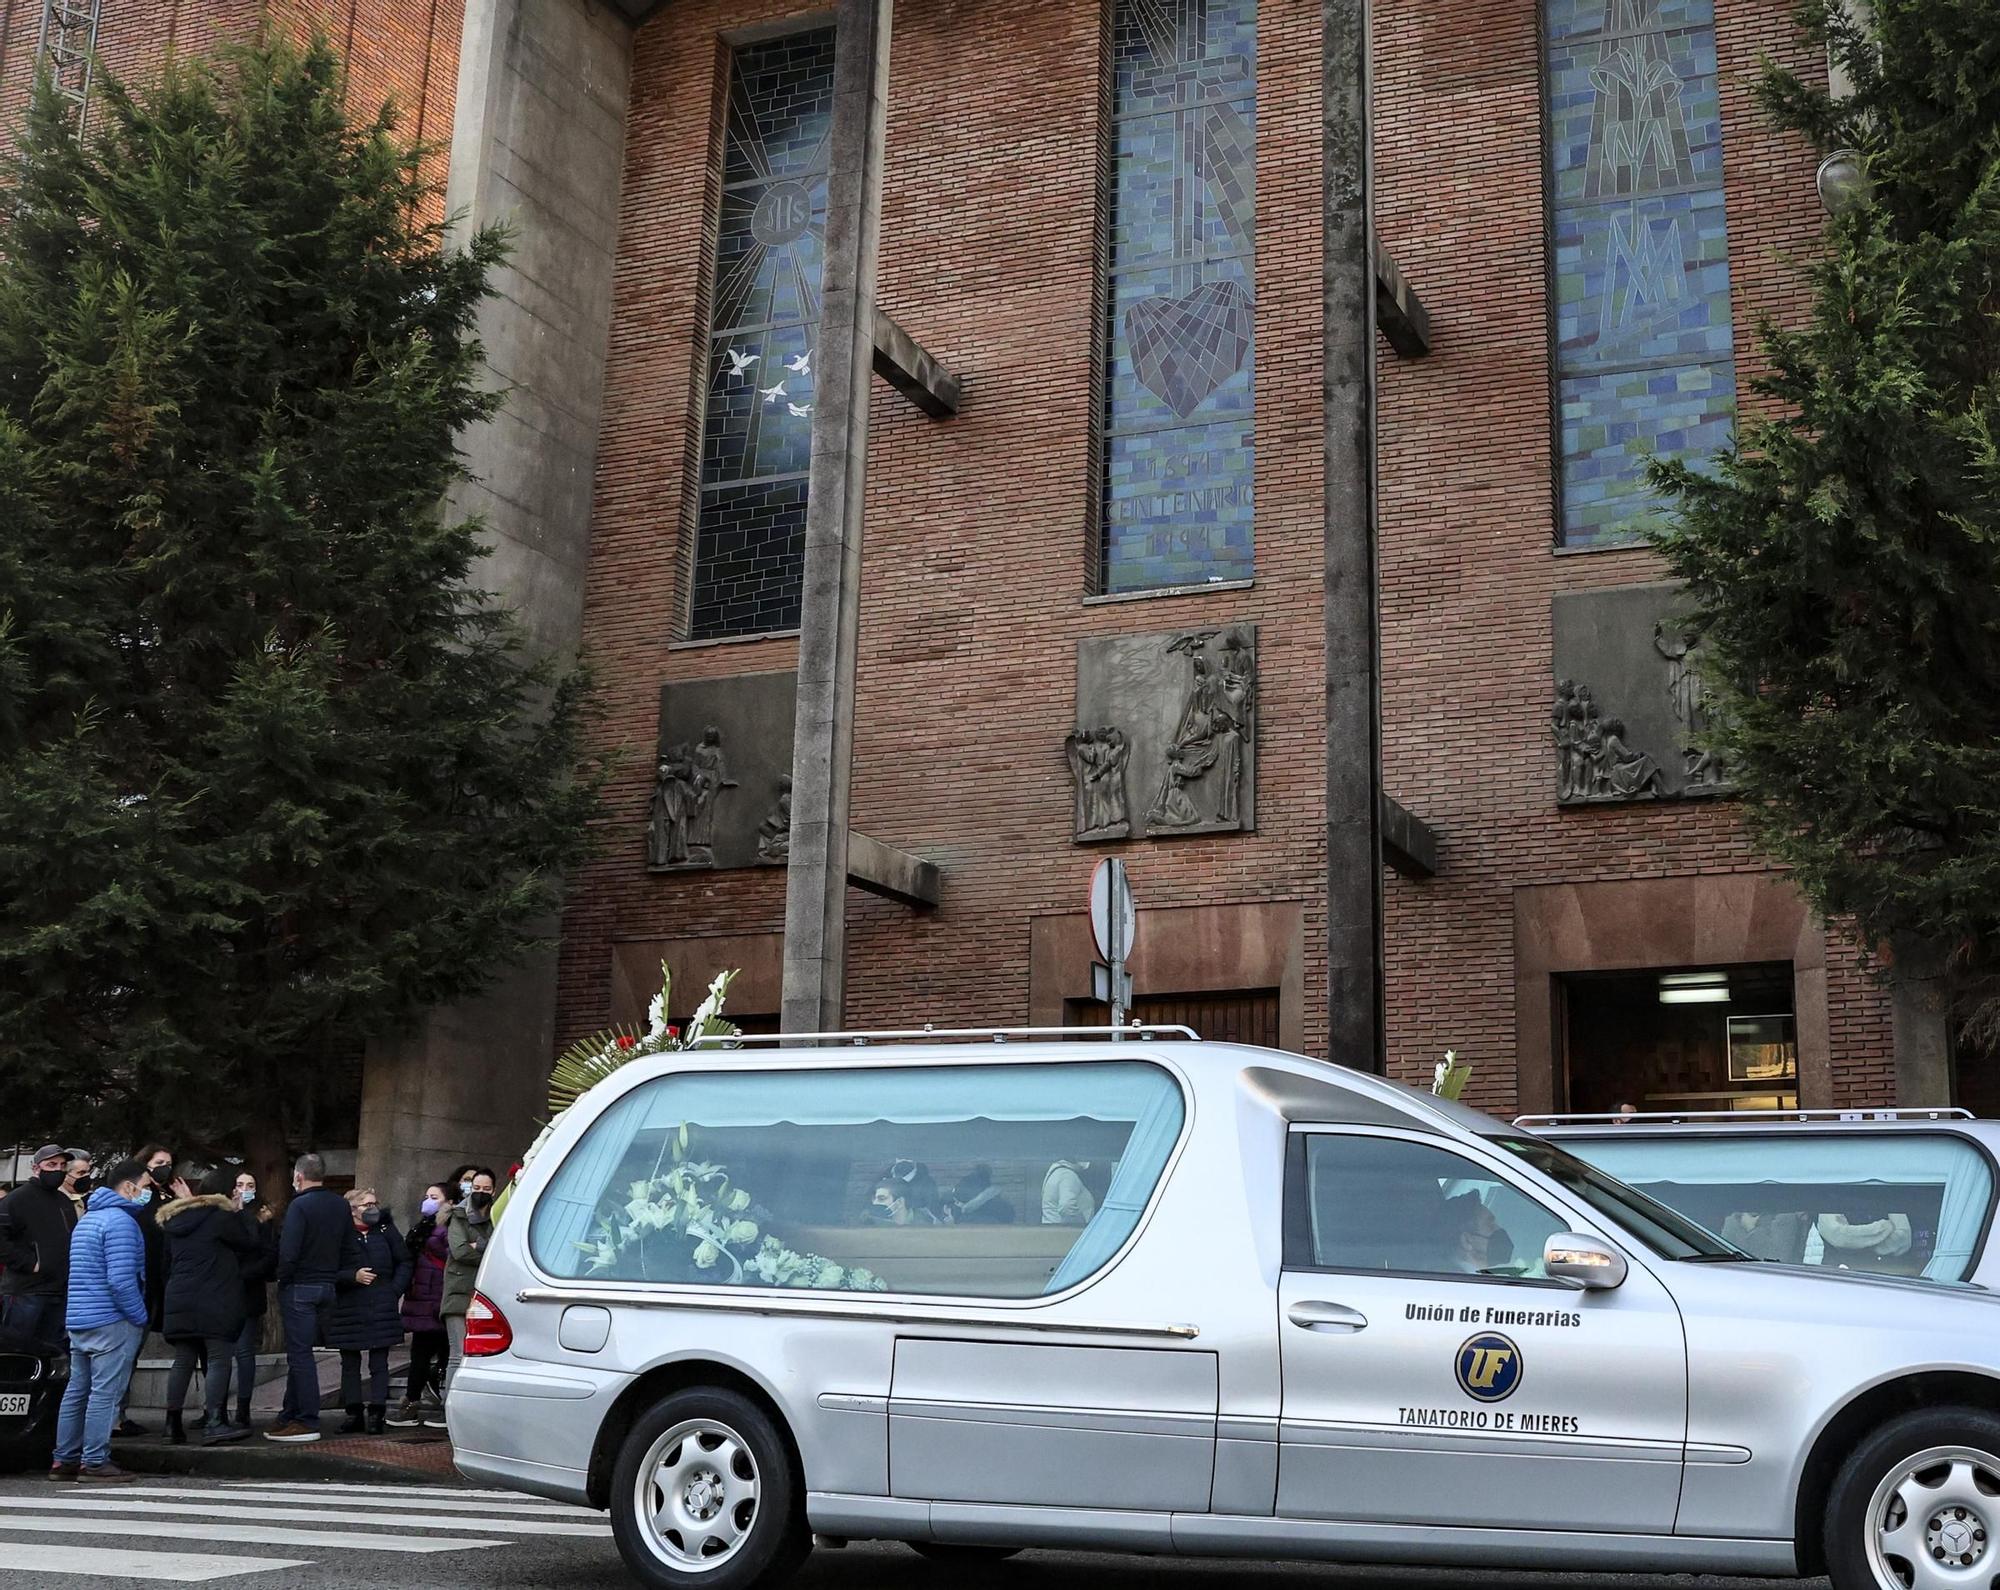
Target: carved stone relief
[[1097, 762], [1170, 721], [1629, 700], [722, 773], [774, 834]]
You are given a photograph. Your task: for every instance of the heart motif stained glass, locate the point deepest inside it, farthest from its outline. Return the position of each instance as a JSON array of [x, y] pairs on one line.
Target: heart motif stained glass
[[1184, 348]]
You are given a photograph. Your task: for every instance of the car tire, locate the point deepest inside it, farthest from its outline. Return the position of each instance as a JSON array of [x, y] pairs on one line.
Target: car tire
[[704, 1493], [1917, 1502], [962, 1556]]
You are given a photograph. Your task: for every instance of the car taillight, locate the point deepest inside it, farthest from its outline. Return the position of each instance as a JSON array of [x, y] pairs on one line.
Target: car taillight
[[486, 1329]]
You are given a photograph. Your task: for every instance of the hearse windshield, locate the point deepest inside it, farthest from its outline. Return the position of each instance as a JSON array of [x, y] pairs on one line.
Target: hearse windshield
[[1669, 1235]]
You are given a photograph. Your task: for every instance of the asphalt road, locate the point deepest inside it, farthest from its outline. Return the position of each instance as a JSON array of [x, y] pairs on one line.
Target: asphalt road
[[261, 1536]]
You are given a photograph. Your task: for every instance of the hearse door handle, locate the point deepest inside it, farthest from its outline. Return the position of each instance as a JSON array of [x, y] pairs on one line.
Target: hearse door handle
[[1316, 1316]]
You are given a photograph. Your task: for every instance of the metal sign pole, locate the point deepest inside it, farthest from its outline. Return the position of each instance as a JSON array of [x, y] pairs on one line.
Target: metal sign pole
[[1115, 950]]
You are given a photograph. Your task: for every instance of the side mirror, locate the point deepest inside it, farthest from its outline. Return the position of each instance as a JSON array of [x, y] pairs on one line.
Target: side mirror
[[1584, 1261]]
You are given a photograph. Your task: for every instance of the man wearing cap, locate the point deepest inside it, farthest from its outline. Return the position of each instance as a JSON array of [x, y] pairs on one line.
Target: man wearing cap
[[36, 1220]]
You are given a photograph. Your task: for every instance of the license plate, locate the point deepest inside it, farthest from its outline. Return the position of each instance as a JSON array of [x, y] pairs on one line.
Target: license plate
[[13, 1402]]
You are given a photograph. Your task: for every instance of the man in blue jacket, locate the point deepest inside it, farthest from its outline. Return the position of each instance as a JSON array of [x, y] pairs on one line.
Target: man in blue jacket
[[316, 1226], [107, 1322]]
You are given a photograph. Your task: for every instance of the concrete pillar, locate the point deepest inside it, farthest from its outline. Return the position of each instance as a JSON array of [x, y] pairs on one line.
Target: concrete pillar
[[830, 612], [1920, 1024], [1353, 695], [538, 141]]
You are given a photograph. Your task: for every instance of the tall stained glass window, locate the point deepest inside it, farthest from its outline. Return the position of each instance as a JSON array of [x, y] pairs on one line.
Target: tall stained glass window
[[1177, 405], [1643, 352], [757, 433]]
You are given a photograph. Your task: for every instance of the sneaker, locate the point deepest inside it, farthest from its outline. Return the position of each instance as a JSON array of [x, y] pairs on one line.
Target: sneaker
[[433, 1398], [64, 1471], [221, 1433], [406, 1416], [127, 1428], [105, 1474], [292, 1430]]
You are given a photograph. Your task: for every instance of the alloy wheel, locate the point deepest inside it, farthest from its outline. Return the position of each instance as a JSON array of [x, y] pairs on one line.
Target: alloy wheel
[[1931, 1521], [697, 1495]]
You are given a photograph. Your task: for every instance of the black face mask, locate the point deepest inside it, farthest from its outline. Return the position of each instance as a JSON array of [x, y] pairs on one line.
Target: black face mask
[[481, 1200], [51, 1179], [163, 1175], [371, 1217], [83, 1185]]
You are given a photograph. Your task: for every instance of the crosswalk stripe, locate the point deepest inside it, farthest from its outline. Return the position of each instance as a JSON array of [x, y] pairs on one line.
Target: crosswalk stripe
[[299, 1496], [138, 1504], [246, 1534], [100, 1562]]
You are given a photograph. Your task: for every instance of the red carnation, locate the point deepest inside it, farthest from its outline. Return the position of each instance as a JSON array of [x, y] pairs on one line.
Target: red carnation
[[625, 1040], [673, 1032]]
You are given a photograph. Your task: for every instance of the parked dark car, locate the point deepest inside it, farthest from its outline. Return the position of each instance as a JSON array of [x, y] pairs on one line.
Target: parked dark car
[[31, 1393]]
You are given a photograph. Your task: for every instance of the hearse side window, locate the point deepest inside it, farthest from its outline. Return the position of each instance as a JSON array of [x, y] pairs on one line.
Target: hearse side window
[[1895, 1203], [976, 1181], [1383, 1203]]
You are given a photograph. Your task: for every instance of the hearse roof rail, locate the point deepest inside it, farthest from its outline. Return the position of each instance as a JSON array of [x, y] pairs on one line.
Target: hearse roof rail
[[928, 1034], [1745, 1117]]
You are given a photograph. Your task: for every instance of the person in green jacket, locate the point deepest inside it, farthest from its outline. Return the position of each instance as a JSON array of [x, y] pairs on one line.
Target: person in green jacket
[[468, 1231]]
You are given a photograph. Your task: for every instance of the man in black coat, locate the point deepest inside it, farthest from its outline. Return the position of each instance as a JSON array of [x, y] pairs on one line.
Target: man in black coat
[[309, 1250], [36, 1220]]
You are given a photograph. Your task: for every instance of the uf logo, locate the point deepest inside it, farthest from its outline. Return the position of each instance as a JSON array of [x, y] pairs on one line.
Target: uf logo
[[1489, 1367]]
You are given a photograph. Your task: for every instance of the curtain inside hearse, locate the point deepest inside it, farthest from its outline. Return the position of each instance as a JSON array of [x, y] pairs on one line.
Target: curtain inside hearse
[[1895, 1202], [788, 1162]]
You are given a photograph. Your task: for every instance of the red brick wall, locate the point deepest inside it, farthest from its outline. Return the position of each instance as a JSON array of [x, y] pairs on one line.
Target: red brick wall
[[401, 50]]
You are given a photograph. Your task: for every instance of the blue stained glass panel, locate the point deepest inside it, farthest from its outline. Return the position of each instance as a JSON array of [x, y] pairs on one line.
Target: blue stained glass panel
[[764, 329], [1180, 374], [1644, 334]]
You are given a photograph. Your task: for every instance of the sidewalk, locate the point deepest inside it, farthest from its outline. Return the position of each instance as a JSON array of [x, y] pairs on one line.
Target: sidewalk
[[422, 1453]]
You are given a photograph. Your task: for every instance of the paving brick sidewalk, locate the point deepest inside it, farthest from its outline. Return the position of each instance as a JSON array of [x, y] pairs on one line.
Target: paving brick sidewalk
[[424, 1452]]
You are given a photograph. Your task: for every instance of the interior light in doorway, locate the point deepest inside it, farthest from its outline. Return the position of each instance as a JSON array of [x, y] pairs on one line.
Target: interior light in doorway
[[1694, 988]]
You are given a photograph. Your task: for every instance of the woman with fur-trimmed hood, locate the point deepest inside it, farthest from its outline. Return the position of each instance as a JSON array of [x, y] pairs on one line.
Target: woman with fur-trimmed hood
[[207, 1238]]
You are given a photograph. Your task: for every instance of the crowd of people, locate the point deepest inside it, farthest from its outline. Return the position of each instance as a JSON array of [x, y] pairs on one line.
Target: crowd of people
[[97, 1262]]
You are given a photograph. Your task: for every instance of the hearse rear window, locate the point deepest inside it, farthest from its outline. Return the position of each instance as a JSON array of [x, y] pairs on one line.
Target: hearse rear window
[[1896, 1203], [979, 1181]]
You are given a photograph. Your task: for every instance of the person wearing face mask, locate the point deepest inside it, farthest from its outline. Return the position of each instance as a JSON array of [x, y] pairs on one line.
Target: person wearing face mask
[[429, 1243], [208, 1238], [106, 1317], [256, 1270], [163, 1187], [36, 1220], [374, 1269], [468, 1231], [309, 1259], [81, 1178]]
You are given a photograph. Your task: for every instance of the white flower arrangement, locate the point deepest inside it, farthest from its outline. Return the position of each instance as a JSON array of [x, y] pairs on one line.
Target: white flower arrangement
[[687, 1218]]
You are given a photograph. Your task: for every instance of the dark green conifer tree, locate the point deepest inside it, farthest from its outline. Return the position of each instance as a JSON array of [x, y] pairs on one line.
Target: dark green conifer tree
[[274, 775], [1843, 561]]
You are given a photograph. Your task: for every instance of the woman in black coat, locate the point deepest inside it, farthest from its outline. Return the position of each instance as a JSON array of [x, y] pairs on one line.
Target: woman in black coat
[[258, 1269], [366, 1313], [206, 1238]]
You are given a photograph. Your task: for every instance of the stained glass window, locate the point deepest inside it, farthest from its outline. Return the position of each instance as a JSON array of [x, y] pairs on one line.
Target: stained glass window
[[1177, 404], [757, 432], [1644, 364]]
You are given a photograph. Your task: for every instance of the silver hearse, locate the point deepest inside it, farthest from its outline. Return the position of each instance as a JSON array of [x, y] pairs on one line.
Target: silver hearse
[[1173, 1296]]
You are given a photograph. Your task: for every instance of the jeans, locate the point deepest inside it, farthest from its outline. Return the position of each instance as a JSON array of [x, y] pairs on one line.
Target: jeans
[[454, 1326], [428, 1351], [244, 1351], [218, 1351], [100, 1369], [300, 1306], [350, 1377]]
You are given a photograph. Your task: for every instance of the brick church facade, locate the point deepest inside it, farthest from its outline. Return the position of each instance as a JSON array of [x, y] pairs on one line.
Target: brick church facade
[[1092, 590]]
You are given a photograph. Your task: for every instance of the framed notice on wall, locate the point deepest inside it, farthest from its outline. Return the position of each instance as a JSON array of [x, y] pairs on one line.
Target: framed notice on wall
[[1763, 1048]]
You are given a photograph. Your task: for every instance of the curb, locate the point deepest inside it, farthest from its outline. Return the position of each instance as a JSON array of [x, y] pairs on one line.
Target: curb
[[258, 1459]]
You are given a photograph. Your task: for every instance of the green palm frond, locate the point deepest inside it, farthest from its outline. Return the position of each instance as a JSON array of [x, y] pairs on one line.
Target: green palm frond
[[588, 1062]]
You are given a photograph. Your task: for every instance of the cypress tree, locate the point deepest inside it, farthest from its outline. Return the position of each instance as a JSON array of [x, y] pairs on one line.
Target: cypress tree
[[274, 776]]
